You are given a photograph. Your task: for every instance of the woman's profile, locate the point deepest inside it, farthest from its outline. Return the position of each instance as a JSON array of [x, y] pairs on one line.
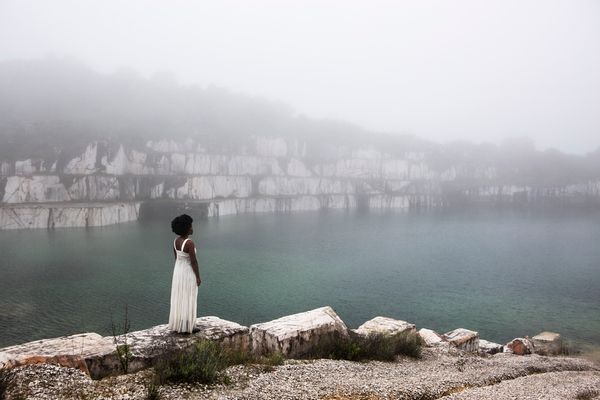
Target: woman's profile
[[186, 277]]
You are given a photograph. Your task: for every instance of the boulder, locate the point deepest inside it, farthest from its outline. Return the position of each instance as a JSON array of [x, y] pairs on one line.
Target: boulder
[[431, 338], [75, 351], [486, 347], [547, 343], [519, 346], [297, 334], [463, 339], [147, 345], [96, 355], [385, 325]]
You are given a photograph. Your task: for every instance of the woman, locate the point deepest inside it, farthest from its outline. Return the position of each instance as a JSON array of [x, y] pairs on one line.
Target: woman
[[186, 277]]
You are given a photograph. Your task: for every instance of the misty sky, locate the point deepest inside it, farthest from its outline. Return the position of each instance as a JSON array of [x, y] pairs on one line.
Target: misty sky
[[442, 70]]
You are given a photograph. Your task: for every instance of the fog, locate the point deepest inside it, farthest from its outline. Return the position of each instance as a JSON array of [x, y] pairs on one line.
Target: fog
[[439, 70]]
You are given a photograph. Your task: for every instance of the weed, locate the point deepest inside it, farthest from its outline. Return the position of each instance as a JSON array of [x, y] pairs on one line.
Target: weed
[[152, 391], [239, 355], [275, 358], [375, 346], [123, 349], [203, 363]]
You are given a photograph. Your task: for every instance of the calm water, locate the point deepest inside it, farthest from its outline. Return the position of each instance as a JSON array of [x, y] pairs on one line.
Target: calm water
[[502, 273]]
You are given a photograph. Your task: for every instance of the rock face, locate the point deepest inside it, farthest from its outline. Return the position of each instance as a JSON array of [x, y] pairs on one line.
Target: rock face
[[295, 335], [62, 215], [519, 346], [267, 175], [385, 325], [463, 339], [547, 343]]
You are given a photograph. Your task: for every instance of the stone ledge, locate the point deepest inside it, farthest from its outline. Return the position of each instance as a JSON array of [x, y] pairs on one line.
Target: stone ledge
[[295, 335]]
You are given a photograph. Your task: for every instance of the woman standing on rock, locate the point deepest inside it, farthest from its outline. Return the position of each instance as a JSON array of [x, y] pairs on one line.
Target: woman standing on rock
[[186, 277]]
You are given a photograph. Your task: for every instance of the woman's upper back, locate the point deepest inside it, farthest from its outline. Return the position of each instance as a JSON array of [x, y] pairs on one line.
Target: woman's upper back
[[181, 249]]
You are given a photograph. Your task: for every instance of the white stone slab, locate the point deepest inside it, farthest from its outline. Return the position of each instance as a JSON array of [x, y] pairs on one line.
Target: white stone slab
[[297, 334], [463, 339], [385, 325]]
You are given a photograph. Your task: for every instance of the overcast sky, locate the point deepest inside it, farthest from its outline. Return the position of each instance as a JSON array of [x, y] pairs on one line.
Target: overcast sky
[[441, 70]]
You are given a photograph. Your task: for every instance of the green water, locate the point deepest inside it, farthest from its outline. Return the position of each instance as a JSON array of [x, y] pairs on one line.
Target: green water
[[502, 273]]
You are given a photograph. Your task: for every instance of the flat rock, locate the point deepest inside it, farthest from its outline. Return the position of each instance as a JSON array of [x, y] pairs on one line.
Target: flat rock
[[431, 338], [486, 347], [75, 351], [463, 339], [297, 334], [148, 344], [547, 343], [385, 325], [96, 355], [519, 346]]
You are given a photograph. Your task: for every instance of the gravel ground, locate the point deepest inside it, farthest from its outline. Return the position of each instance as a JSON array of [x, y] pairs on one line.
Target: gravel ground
[[456, 376], [549, 386]]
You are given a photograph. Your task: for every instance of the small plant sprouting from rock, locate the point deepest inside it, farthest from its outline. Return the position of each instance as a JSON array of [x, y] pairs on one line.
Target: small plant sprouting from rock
[[123, 349]]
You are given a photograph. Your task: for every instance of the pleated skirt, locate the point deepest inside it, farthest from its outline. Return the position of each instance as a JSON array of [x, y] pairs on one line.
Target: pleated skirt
[[184, 294]]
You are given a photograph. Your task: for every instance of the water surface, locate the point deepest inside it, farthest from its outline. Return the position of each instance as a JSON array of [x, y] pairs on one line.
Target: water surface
[[502, 273]]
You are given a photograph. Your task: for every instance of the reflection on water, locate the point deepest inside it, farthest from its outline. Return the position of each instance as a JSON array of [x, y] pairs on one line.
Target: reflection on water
[[16, 310], [505, 274]]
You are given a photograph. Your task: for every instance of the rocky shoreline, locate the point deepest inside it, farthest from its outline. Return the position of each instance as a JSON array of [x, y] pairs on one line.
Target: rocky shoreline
[[456, 365]]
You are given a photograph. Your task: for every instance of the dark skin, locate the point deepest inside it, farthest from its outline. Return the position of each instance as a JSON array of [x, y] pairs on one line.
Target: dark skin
[[189, 248]]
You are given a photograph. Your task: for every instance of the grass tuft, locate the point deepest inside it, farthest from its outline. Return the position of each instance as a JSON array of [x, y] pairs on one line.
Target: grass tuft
[[375, 346], [152, 392], [203, 363]]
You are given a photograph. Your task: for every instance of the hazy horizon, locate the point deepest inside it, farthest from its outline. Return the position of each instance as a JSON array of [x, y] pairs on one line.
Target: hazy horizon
[[436, 70]]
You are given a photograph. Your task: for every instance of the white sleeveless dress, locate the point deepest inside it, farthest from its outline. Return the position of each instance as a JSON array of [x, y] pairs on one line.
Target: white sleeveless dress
[[184, 293]]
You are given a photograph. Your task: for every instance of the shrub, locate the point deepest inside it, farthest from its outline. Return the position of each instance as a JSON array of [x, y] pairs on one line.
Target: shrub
[[276, 358], [203, 363], [239, 355], [375, 346], [242, 355]]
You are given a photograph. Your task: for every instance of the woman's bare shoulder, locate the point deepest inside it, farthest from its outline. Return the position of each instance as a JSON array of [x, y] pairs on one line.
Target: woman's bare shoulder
[[189, 246]]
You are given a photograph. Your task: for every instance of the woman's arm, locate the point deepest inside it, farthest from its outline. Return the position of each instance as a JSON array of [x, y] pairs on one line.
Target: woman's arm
[[191, 250]]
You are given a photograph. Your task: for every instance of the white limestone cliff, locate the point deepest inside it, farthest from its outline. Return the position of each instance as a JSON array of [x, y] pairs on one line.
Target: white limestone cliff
[[264, 174], [63, 215]]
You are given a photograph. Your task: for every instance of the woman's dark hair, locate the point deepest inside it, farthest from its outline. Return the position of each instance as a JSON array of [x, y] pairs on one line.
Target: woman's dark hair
[[181, 225]]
